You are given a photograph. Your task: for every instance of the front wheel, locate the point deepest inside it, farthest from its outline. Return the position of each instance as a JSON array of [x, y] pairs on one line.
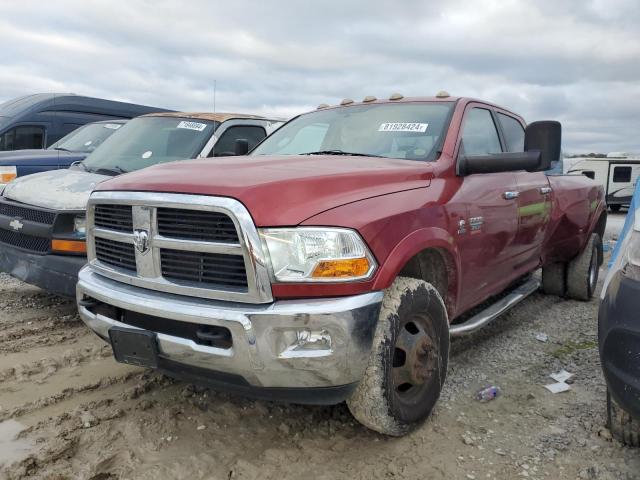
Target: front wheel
[[408, 362]]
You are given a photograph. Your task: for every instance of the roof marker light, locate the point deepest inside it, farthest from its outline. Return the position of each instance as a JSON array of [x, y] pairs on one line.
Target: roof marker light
[[322, 105], [369, 98], [346, 101], [442, 94], [396, 96]]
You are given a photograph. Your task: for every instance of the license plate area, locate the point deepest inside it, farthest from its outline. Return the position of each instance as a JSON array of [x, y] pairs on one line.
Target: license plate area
[[135, 347]]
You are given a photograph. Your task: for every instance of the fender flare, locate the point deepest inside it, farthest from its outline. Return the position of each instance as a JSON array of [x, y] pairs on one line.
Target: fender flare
[[410, 246]]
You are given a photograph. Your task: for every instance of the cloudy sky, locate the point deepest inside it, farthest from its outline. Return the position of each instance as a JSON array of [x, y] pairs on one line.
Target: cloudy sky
[[577, 61]]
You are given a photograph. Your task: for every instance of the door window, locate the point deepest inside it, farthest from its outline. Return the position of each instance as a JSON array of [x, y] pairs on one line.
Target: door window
[[513, 133], [21, 138], [226, 144], [479, 134], [622, 174]]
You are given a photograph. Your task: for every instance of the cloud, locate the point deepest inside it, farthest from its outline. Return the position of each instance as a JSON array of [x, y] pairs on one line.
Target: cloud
[[571, 60]]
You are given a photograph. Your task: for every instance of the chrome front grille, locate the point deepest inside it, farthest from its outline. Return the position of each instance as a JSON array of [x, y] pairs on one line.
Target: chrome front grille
[[204, 267], [196, 225], [114, 217], [183, 244], [117, 254]]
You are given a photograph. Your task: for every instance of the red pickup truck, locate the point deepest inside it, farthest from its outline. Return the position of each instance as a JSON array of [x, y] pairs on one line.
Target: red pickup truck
[[336, 261]]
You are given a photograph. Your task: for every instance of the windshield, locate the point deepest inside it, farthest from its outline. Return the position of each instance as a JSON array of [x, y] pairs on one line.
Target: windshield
[[86, 138], [402, 130], [146, 141]]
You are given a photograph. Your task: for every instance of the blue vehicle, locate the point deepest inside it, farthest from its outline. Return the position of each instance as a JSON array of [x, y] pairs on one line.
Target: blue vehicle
[[72, 148], [619, 331], [38, 121]]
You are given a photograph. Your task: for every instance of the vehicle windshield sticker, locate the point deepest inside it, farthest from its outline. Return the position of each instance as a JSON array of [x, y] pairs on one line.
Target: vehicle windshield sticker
[[193, 126], [147, 154], [86, 144], [403, 127], [112, 126]]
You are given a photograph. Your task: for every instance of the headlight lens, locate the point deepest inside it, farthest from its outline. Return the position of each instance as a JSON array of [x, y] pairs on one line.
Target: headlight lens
[[317, 254], [80, 225], [7, 174]]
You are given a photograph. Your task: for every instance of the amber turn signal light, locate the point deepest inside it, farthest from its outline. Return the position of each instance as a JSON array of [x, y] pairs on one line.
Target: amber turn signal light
[[69, 246], [351, 267]]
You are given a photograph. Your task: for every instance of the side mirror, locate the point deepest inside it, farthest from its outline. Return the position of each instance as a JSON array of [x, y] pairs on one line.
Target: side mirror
[[498, 162], [544, 137], [241, 146]]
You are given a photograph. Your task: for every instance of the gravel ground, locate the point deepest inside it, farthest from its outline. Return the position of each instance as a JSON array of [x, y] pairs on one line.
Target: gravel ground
[[68, 410]]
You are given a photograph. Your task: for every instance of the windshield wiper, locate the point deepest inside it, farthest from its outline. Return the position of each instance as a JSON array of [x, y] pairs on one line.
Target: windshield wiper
[[81, 164], [110, 171], [341, 152]]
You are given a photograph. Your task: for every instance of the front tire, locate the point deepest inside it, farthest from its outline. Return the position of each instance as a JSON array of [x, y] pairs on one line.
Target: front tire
[[582, 271], [623, 427], [408, 362]]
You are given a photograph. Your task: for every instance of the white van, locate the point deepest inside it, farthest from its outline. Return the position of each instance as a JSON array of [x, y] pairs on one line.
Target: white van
[[617, 173]]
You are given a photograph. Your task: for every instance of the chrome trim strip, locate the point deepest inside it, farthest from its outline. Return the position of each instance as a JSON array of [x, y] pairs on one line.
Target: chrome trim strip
[[113, 235], [259, 284], [197, 246]]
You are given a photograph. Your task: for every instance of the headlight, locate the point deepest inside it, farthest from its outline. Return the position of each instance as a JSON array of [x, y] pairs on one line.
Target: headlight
[[317, 254], [80, 225], [7, 174]]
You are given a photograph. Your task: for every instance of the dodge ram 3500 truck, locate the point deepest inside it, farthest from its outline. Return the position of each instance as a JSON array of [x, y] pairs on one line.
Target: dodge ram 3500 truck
[[42, 216], [336, 261]]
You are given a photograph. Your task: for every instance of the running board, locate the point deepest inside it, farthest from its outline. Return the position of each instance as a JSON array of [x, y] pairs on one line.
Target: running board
[[492, 312]]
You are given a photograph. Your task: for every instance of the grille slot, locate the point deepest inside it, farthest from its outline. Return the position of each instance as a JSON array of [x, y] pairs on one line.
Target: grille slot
[[114, 217], [31, 214], [213, 269], [196, 225], [26, 242], [116, 254]]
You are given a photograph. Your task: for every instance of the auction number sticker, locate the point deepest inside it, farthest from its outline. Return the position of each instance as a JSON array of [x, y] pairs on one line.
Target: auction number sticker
[[193, 126], [403, 127]]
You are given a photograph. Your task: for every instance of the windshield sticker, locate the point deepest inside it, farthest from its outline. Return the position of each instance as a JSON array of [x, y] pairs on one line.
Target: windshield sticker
[[193, 126], [403, 127], [86, 144], [147, 154], [112, 126]]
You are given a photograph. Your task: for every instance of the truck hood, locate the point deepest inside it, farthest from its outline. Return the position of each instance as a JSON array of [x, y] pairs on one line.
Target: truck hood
[[27, 158], [281, 190], [56, 189]]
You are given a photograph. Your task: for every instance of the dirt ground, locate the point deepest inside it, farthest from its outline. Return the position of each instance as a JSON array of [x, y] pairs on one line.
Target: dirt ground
[[68, 410]]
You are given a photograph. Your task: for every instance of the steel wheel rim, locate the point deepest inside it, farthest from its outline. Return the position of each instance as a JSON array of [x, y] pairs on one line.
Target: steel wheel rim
[[414, 360]]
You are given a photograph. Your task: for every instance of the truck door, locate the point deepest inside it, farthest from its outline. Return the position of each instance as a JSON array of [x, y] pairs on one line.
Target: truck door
[[485, 237], [534, 198]]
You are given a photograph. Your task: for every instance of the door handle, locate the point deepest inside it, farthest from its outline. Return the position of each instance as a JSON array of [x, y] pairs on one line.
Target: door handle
[[545, 190], [511, 195]]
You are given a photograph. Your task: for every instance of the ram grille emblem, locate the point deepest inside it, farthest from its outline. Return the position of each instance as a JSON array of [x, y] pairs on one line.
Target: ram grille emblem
[[141, 240]]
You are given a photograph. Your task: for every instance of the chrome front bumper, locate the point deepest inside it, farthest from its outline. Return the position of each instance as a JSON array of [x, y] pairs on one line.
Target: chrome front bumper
[[266, 350]]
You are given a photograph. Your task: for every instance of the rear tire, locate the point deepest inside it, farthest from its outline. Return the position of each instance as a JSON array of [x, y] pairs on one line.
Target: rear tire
[[615, 208], [408, 362], [623, 427], [582, 271], [554, 279]]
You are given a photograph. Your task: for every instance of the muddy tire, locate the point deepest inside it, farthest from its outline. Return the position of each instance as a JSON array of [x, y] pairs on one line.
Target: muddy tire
[[408, 362], [582, 271], [623, 427], [554, 279]]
